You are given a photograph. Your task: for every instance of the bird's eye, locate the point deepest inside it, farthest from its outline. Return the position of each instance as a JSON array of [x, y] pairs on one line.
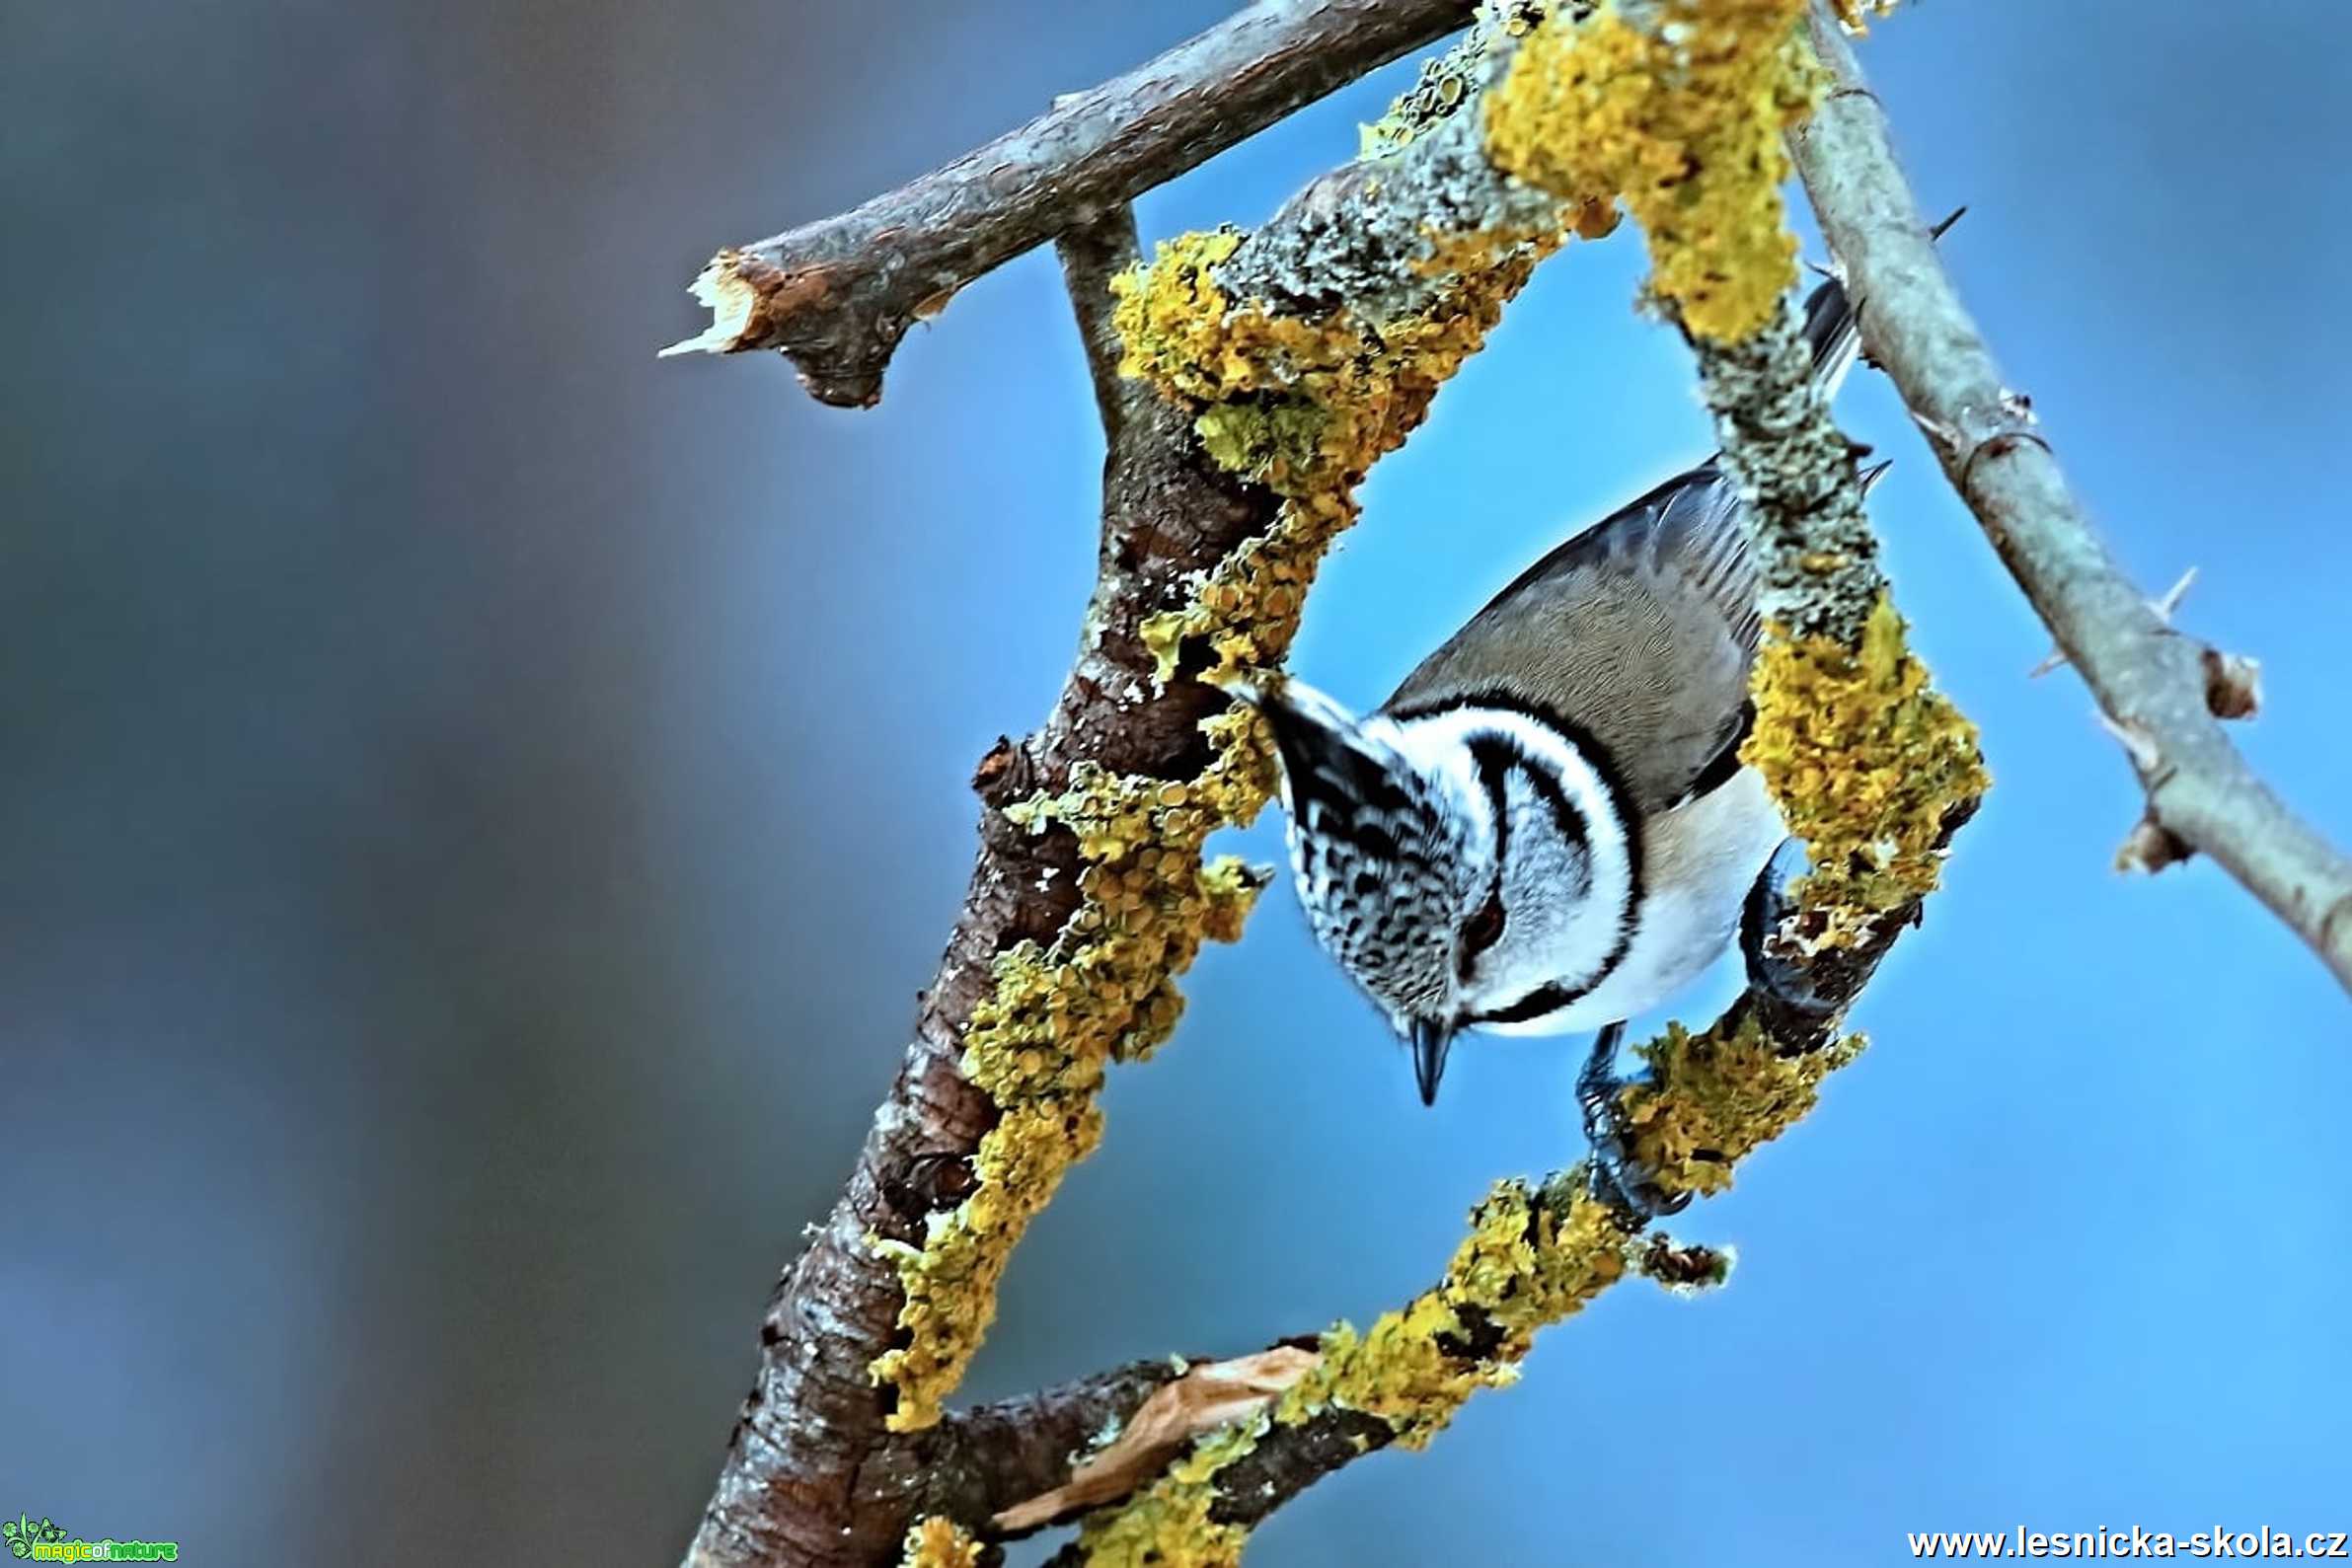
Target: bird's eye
[[1485, 928]]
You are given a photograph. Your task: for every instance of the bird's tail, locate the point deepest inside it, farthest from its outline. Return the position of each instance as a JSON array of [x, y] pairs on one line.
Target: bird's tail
[[1832, 324], [1834, 333]]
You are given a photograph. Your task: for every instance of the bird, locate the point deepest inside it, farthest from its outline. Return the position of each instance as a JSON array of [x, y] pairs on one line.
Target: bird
[[1548, 827]]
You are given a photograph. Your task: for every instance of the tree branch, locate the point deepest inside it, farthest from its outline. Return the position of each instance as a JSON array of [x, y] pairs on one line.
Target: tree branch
[[1091, 255], [1876, 771], [2150, 683], [811, 1476], [1295, 356], [1089, 895], [1794, 1004], [994, 1456], [838, 294]]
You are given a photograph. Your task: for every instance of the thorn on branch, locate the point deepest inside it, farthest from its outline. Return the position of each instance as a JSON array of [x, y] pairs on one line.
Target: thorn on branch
[[2169, 603], [2233, 683], [2151, 846], [2136, 741], [1003, 762], [2162, 607]]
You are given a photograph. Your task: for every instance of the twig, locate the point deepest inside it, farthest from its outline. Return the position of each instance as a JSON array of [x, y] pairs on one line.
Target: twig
[[1092, 255], [1814, 547], [838, 294], [2150, 683]]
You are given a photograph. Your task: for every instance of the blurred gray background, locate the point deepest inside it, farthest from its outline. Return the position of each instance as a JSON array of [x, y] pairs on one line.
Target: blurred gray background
[[479, 803]]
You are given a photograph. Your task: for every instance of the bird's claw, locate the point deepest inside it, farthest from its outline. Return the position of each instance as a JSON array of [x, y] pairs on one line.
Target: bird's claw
[[1771, 972], [1611, 1174]]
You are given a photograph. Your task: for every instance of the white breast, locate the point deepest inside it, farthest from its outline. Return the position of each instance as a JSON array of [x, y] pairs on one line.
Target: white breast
[[1699, 863]]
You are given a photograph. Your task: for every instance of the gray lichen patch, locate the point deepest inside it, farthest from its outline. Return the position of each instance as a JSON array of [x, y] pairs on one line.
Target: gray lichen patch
[[1370, 234], [1455, 78], [1821, 574]]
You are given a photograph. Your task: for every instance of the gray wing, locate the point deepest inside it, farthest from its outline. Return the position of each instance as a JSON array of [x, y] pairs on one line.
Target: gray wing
[[1638, 630]]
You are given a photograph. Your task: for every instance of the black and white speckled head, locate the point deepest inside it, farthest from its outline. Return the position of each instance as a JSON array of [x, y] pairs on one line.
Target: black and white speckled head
[[1379, 851], [1451, 863]]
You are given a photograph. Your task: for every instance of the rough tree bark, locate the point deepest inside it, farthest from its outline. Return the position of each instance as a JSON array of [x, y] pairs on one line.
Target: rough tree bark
[[831, 1458], [1261, 377], [812, 1473]]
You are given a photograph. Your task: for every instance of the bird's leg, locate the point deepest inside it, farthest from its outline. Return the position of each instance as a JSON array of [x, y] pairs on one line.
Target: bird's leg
[[1604, 1127], [1614, 1179]]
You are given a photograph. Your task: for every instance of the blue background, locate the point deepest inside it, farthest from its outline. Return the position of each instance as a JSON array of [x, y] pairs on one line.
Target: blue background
[[479, 803]]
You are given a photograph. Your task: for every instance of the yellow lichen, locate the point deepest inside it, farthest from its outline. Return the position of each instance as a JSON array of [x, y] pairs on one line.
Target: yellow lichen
[[1712, 1098], [1855, 15], [1168, 1525], [1303, 408], [1526, 1263], [1680, 116], [1040, 1043], [1530, 1261], [1868, 761], [1303, 405], [1871, 759], [937, 1543]]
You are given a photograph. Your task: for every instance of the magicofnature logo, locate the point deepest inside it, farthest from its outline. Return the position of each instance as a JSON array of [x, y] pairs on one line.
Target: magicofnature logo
[[23, 1534], [47, 1542]]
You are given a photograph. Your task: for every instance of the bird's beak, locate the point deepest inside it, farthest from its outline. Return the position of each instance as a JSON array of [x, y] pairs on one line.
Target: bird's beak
[[1431, 1038]]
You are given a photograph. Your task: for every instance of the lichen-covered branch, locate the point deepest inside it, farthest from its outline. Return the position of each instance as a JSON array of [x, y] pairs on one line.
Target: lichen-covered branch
[[1875, 770], [1277, 367], [1532, 1258], [1679, 107], [1380, 236], [2156, 688], [837, 295], [872, 1324], [1299, 406], [1222, 489], [1199, 1398], [994, 1458], [1675, 108]]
